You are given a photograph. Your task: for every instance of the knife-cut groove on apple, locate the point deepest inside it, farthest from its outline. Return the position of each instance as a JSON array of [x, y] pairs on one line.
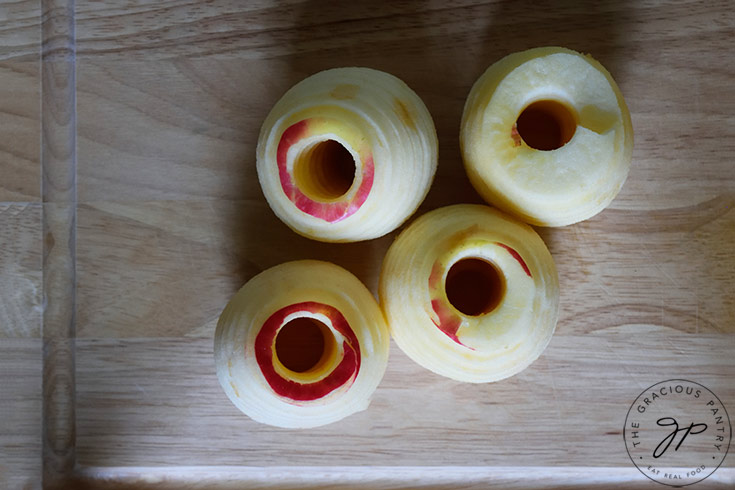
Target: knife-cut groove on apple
[[470, 293], [347, 154], [305, 355]]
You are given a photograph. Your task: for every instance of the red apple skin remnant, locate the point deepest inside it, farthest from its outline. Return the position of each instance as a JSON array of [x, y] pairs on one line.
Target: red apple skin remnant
[[331, 212], [449, 322], [435, 276], [515, 135], [518, 257], [345, 372]]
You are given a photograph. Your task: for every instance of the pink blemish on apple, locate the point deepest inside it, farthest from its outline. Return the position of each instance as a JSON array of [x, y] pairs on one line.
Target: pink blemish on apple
[[435, 276], [515, 135], [331, 212], [518, 257], [345, 372]]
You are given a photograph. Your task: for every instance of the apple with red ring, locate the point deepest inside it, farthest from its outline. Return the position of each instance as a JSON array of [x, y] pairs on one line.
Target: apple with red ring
[[546, 136], [302, 344], [470, 293], [340, 369], [347, 154], [302, 183]]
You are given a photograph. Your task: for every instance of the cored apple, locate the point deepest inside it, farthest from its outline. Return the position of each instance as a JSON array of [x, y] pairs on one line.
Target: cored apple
[[331, 172], [546, 135], [470, 293], [286, 345], [347, 154], [302, 344]]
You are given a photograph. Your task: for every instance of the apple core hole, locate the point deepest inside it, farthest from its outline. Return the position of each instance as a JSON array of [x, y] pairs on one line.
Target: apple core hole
[[325, 171], [304, 344], [474, 286], [547, 125]]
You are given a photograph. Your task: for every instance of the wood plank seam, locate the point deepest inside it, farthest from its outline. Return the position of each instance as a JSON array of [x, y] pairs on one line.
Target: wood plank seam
[[58, 190]]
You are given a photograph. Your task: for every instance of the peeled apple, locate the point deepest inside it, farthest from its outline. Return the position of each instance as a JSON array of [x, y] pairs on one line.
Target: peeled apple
[[546, 136], [470, 293], [302, 344], [347, 154]]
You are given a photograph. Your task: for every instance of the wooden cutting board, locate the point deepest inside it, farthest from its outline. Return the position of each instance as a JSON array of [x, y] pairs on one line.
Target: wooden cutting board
[[130, 212]]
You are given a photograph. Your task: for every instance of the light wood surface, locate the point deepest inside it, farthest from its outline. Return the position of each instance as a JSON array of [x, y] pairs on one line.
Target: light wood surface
[[568, 409], [21, 280], [130, 212], [59, 193]]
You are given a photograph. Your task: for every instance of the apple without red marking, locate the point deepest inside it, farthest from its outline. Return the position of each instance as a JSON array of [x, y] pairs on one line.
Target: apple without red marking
[[546, 135]]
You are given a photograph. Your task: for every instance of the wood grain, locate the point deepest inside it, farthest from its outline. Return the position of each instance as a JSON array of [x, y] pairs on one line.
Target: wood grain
[[20, 90], [20, 345], [20, 413], [568, 409], [20, 166], [21, 282], [142, 124], [20, 30], [58, 161], [166, 268], [20, 270]]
